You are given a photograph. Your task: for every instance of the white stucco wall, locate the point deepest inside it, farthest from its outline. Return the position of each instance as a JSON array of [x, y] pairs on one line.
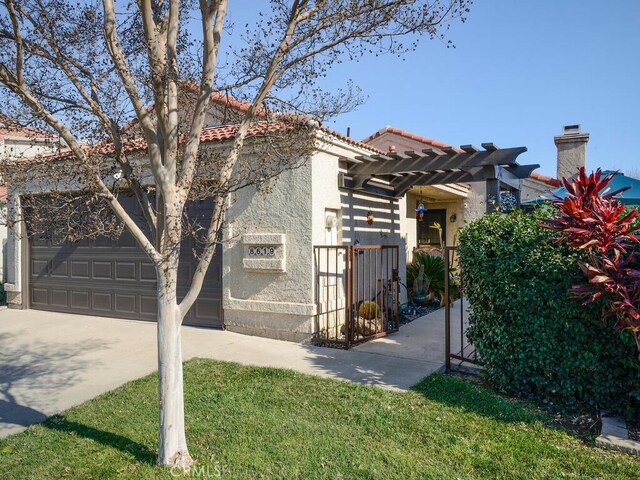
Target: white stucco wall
[[16, 147], [21, 147], [475, 205], [269, 302]]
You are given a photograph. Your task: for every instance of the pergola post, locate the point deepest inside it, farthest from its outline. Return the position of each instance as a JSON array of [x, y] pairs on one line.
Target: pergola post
[[492, 195]]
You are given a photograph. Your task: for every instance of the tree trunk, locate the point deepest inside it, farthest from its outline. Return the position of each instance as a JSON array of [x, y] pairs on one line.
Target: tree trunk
[[171, 433]]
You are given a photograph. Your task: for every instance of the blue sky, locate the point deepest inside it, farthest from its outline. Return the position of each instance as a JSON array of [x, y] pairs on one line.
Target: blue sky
[[519, 72]]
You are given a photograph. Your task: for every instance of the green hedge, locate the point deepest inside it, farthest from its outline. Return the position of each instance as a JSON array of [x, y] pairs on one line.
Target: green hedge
[[534, 339]]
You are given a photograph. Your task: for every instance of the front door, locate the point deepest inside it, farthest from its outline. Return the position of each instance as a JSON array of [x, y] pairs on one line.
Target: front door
[[428, 234]]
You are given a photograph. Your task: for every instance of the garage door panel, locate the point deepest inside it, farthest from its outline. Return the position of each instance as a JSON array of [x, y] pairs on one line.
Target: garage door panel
[[39, 267], [102, 270], [39, 296], [59, 269], [114, 278], [59, 298], [147, 273], [126, 303], [80, 268], [79, 300], [148, 305], [126, 271], [101, 301]]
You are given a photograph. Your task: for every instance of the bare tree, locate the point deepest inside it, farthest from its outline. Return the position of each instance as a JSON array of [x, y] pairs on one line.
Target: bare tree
[[83, 70]]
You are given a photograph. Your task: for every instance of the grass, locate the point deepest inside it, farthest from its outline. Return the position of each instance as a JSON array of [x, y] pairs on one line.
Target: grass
[[246, 422]]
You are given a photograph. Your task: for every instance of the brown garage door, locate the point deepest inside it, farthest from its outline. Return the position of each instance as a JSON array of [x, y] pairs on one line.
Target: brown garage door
[[114, 278]]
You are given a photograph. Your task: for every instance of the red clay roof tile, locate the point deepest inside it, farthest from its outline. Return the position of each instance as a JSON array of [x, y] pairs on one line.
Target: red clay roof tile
[[208, 135], [554, 182], [11, 128], [406, 134]]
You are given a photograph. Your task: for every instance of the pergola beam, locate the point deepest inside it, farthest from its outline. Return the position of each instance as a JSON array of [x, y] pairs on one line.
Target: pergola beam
[[498, 167], [507, 175], [429, 163]]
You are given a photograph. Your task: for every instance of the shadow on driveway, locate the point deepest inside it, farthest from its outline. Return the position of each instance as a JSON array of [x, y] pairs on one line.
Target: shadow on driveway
[[32, 374]]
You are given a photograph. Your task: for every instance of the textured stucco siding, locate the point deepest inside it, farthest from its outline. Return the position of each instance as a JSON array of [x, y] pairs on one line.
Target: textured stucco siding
[[15, 148], [268, 302]]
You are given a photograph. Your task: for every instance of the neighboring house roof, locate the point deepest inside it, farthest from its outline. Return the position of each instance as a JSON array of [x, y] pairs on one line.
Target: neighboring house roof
[[631, 196], [553, 182], [410, 136], [11, 128], [406, 134], [3, 192]]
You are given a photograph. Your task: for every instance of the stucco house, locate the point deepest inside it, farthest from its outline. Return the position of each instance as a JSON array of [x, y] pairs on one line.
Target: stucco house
[[270, 278], [448, 204], [452, 204], [18, 141]]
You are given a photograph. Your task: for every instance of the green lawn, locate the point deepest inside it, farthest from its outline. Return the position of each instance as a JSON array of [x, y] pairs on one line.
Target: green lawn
[[248, 423]]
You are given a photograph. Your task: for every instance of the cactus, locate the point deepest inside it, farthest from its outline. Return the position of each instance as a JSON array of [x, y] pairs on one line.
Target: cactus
[[368, 310], [420, 283]]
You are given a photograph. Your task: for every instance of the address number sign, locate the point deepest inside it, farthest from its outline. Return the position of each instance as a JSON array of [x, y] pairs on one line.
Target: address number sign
[[262, 251]]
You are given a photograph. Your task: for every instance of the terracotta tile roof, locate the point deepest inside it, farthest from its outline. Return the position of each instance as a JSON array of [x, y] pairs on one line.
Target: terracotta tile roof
[[217, 98], [209, 135], [11, 128], [3, 191], [406, 134], [553, 182], [412, 136], [225, 100], [353, 141]]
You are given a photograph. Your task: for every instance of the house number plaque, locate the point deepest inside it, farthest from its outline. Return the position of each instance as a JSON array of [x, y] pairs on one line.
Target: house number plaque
[[262, 251]]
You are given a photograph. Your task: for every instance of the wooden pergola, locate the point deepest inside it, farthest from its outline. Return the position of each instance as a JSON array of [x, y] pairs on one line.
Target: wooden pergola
[[394, 174]]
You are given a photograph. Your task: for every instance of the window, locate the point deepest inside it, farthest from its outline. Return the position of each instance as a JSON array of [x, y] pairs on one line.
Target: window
[[426, 234]]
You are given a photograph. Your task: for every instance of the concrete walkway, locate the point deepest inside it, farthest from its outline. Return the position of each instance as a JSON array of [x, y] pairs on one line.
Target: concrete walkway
[[52, 361]]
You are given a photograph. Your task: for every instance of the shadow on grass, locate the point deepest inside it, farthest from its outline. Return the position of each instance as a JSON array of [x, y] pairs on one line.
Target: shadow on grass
[[108, 439], [469, 396]]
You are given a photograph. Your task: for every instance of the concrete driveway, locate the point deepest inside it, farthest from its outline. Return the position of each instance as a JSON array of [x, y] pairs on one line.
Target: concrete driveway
[[52, 361]]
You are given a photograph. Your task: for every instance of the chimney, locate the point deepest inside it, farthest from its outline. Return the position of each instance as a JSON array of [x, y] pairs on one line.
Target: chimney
[[572, 150]]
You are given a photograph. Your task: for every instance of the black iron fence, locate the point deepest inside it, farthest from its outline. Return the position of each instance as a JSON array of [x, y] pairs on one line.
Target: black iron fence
[[356, 293], [459, 351]]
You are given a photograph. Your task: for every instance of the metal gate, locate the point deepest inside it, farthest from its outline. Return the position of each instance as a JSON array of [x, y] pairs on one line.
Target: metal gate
[[356, 293], [459, 351]]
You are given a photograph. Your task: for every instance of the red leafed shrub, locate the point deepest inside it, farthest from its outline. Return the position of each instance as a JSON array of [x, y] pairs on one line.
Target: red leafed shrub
[[592, 219]]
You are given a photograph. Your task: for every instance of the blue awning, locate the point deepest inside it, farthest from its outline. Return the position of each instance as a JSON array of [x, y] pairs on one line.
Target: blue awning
[[629, 197]]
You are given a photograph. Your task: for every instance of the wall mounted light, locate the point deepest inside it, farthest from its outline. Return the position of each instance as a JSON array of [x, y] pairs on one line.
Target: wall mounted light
[[369, 217], [453, 218], [420, 211]]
